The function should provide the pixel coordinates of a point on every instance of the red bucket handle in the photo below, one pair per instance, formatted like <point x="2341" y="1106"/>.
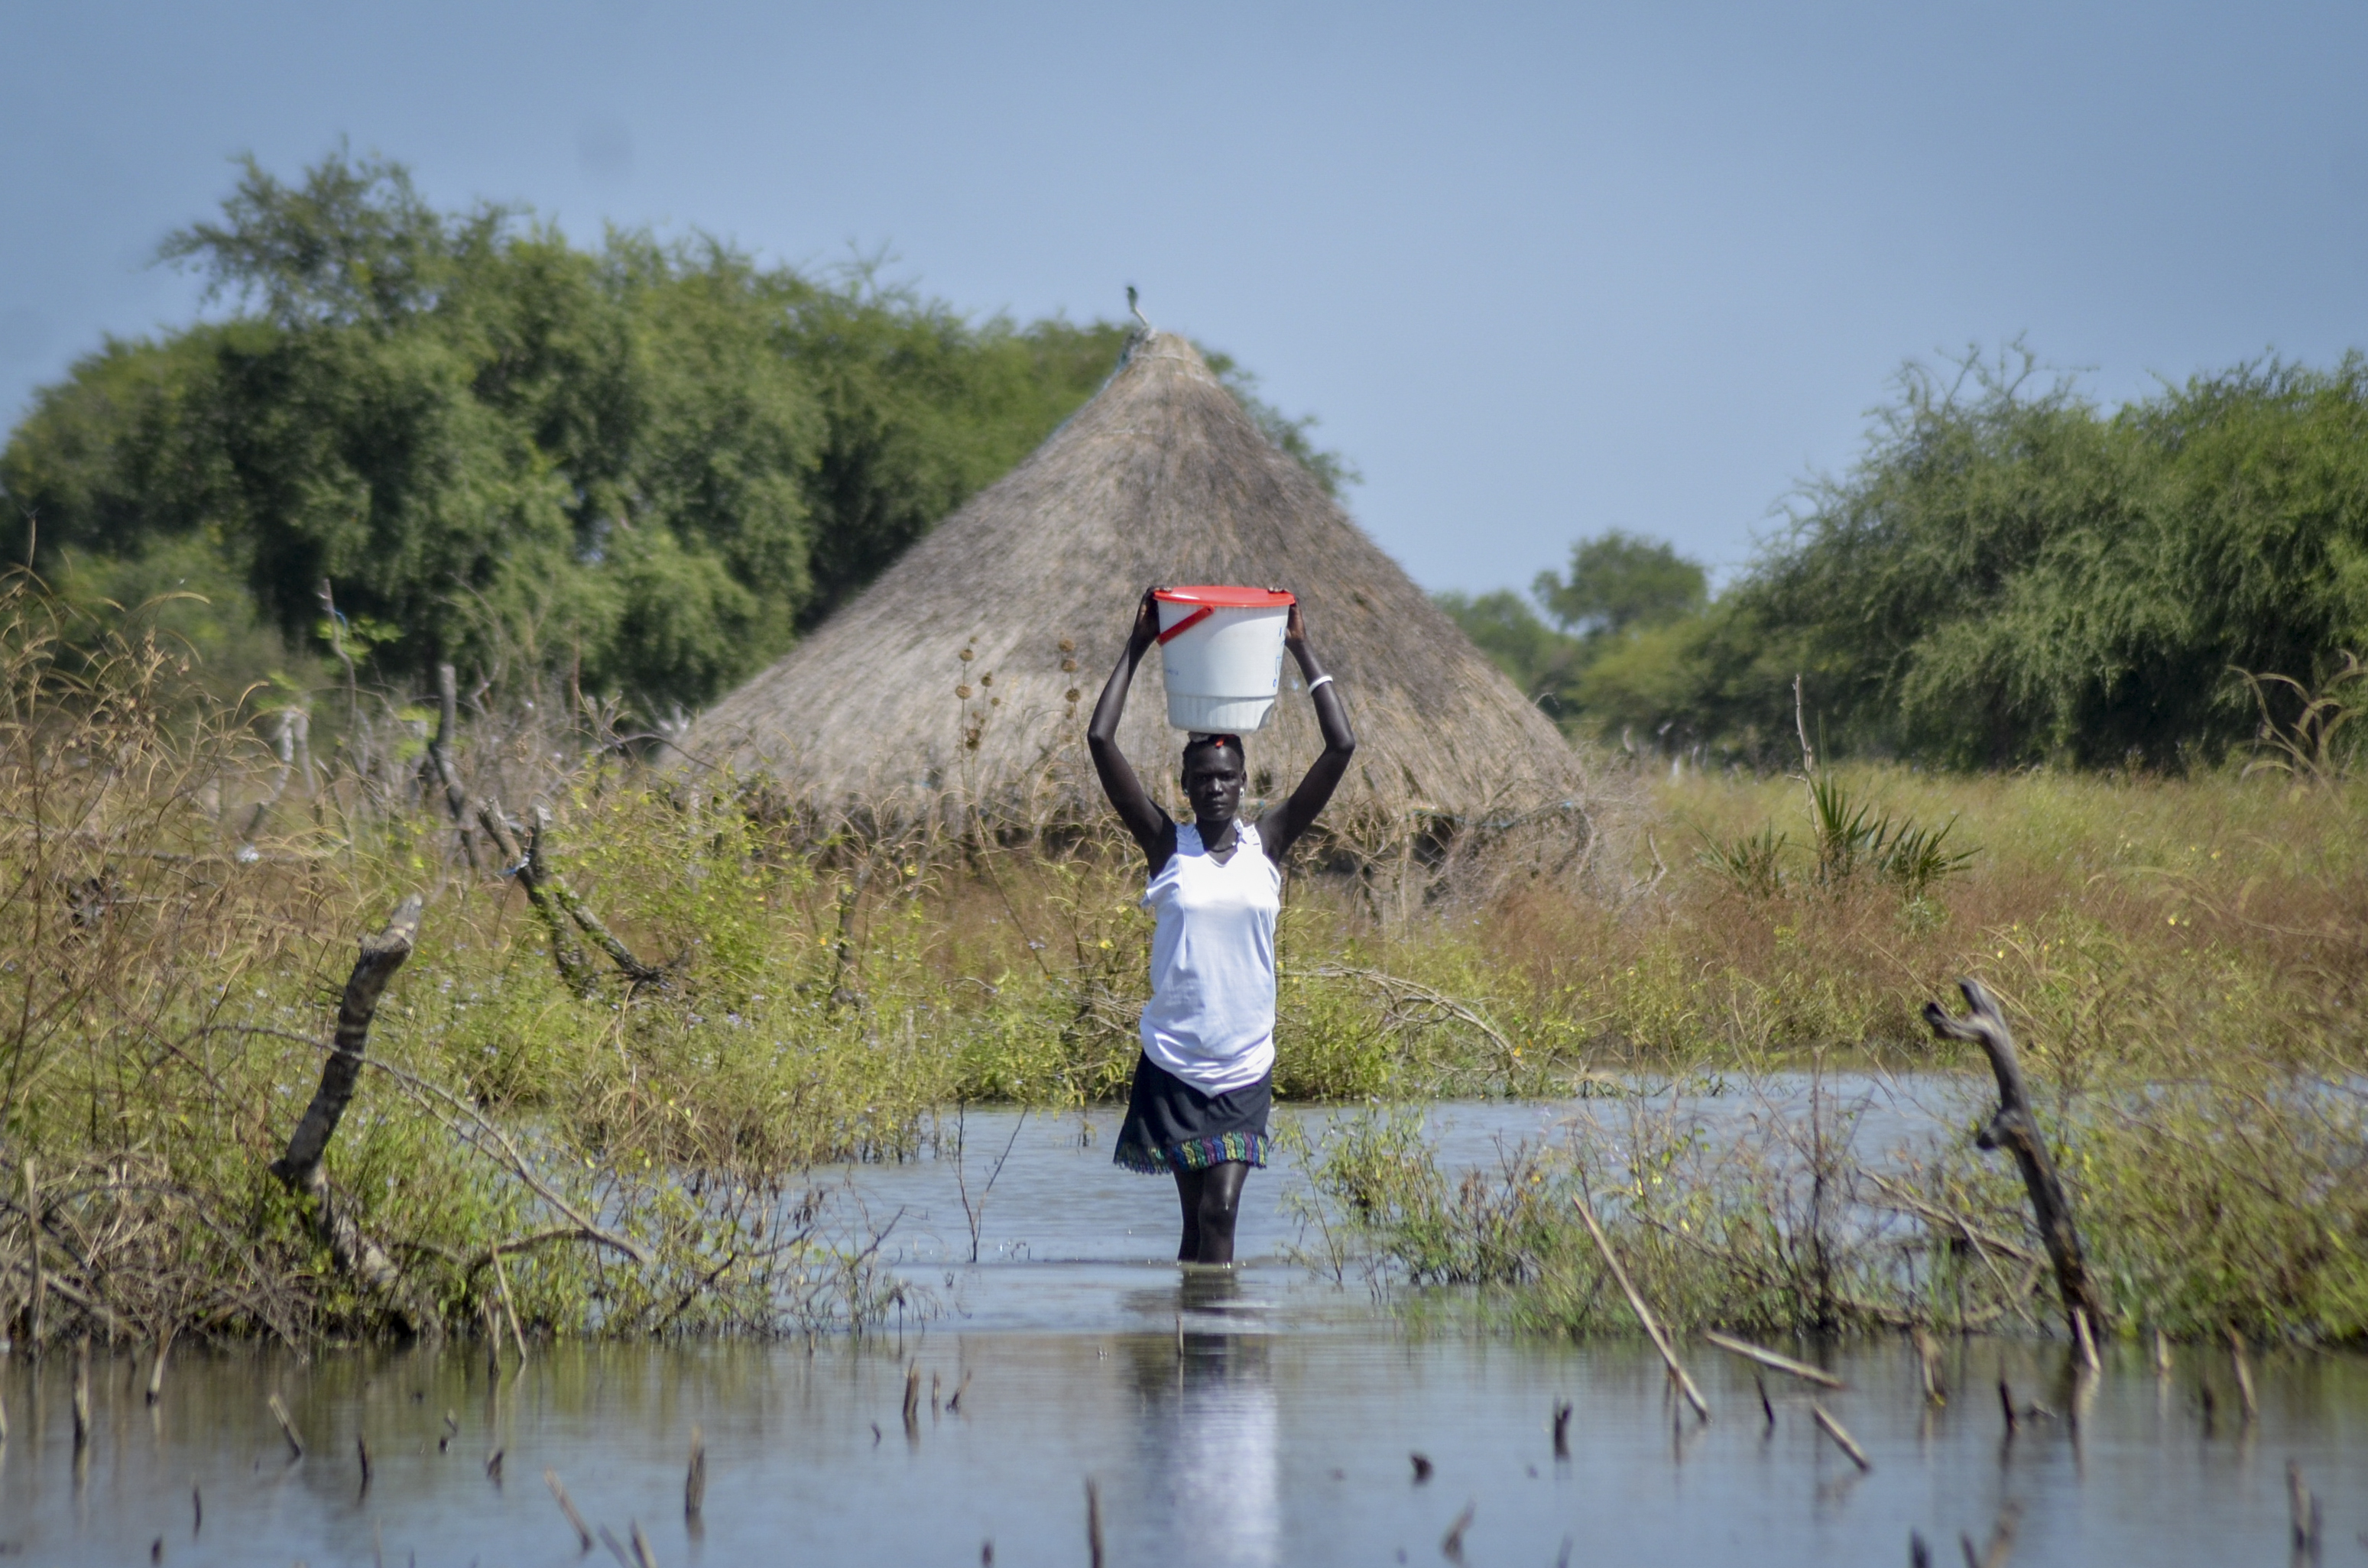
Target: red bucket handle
<point x="1189" y="621"/>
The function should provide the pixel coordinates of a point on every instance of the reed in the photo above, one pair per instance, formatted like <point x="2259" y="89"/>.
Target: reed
<point x="570" y="1115"/>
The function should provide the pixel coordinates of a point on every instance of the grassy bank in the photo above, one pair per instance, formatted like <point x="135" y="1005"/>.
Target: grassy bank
<point x="620" y="1148"/>
<point x="2183" y="960"/>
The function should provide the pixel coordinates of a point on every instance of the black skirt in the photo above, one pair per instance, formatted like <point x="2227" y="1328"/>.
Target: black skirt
<point x="1171" y="1126"/>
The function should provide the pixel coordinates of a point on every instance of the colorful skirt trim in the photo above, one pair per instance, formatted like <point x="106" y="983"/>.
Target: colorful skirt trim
<point x="1196" y="1153"/>
<point x="1171" y="1126"/>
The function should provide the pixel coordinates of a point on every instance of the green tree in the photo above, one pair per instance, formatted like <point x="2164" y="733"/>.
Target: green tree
<point x="1543" y="662"/>
<point x="1618" y="580"/>
<point x="649" y="465"/>
<point x="2009" y="574"/>
<point x="920" y="410"/>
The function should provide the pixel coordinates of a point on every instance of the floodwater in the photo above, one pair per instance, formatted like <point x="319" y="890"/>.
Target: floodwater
<point x="1264" y="1416"/>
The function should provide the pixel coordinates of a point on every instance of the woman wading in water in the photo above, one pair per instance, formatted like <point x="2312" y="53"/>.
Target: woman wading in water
<point x="1206" y="1076"/>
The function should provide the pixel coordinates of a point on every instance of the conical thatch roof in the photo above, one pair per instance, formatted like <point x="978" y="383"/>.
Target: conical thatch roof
<point x="1161" y="478"/>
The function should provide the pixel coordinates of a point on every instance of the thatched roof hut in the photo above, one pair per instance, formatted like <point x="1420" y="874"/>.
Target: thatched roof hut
<point x="1024" y="597"/>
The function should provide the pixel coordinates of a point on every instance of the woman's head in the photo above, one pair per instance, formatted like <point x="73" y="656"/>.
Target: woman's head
<point x="1215" y="769"/>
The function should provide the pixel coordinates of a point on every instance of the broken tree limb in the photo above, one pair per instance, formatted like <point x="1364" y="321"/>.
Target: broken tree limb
<point x="1770" y="1358"/>
<point x="2016" y="1130"/>
<point x="551" y="897"/>
<point x="575" y="971"/>
<point x="300" y="1167"/>
<point x="439" y="757"/>
<point x="1842" y="1439"/>
<point x="632" y="968"/>
<point x="1637" y="1303"/>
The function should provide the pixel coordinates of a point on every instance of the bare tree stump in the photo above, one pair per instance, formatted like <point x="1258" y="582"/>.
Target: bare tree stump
<point x="440" y="759"/>
<point x="299" y="1168"/>
<point x="2014" y="1129"/>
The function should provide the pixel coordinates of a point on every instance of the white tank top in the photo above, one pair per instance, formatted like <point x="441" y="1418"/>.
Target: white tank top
<point x="1210" y="1020"/>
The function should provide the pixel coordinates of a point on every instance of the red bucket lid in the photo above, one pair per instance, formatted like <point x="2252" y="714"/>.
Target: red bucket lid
<point x="1221" y="598"/>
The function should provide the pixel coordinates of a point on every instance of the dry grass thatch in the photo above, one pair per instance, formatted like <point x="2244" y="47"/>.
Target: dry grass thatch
<point x="965" y="675"/>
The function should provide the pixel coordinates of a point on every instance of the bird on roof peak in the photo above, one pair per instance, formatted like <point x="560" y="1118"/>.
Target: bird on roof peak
<point x="1136" y="308"/>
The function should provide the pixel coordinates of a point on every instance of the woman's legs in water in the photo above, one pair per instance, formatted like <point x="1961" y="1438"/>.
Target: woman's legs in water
<point x="1211" y="1201"/>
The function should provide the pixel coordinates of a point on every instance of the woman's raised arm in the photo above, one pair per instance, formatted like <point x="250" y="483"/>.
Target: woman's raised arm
<point x="1299" y="812"/>
<point x="1152" y="827"/>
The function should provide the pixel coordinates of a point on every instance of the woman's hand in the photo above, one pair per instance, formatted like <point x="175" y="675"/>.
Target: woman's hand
<point x="1151" y="827"/>
<point x="1298" y="812"/>
<point x="1146" y="622"/>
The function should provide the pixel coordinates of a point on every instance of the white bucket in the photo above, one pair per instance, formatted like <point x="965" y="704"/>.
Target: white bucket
<point x="1220" y="652"/>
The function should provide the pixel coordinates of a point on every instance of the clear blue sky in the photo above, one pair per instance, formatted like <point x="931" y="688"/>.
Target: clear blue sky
<point x="1542" y="270"/>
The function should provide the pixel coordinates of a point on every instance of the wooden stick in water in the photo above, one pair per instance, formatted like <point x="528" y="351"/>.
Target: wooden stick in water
<point x="642" y="1556"/>
<point x="1928" y="1359"/>
<point x="2087" y="1341"/>
<point x="156" y="1368"/>
<point x="567" y="1507"/>
<point x="2244" y="1373"/>
<point x="1767" y="1408"/>
<point x="82" y="1394"/>
<point x="1094" y="1523"/>
<point x="1842" y="1439"/>
<point x="1451" y="1545"/>
<point x="912" y="1397"/>
<point x="287" y="1428"/>
<point x="1770" y="1358"/>
<point x="2006" y="1403"/>
<point x="694" y="1481"/>
<point x="953" y="1405"/>
<point x="1637" y="1303"/>
<point x="2001" y="1546"/>
<point x="1562" y="1428"/>
<point x="501" y="1279"/>
<point x="2304" y="1510"/>
<point x="33" y="1256"/>
<point x="361" y="1452"/>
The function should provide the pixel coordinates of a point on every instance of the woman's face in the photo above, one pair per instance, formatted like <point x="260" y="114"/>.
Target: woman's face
<point x="1212" y="782"/>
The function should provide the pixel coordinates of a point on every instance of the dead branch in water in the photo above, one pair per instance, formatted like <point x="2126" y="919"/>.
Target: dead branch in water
<point x="1751" y="1352"/>
<point x="567" y="1507"/>
<point x="1643" y="1314"/>
<point x="1842" y="1439"/>
<point x="2015" y="1129"/>
<point x="300" y="1167"/>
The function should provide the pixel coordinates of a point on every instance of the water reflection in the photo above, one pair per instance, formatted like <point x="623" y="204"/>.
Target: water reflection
<point x="1205" y="1441"/>
<point x="1246" y="1417"/>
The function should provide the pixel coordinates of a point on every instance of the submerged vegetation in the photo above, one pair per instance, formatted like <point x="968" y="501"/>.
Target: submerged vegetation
<point x="2229" y="1199"/>
<point x="618" y="1143"/>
